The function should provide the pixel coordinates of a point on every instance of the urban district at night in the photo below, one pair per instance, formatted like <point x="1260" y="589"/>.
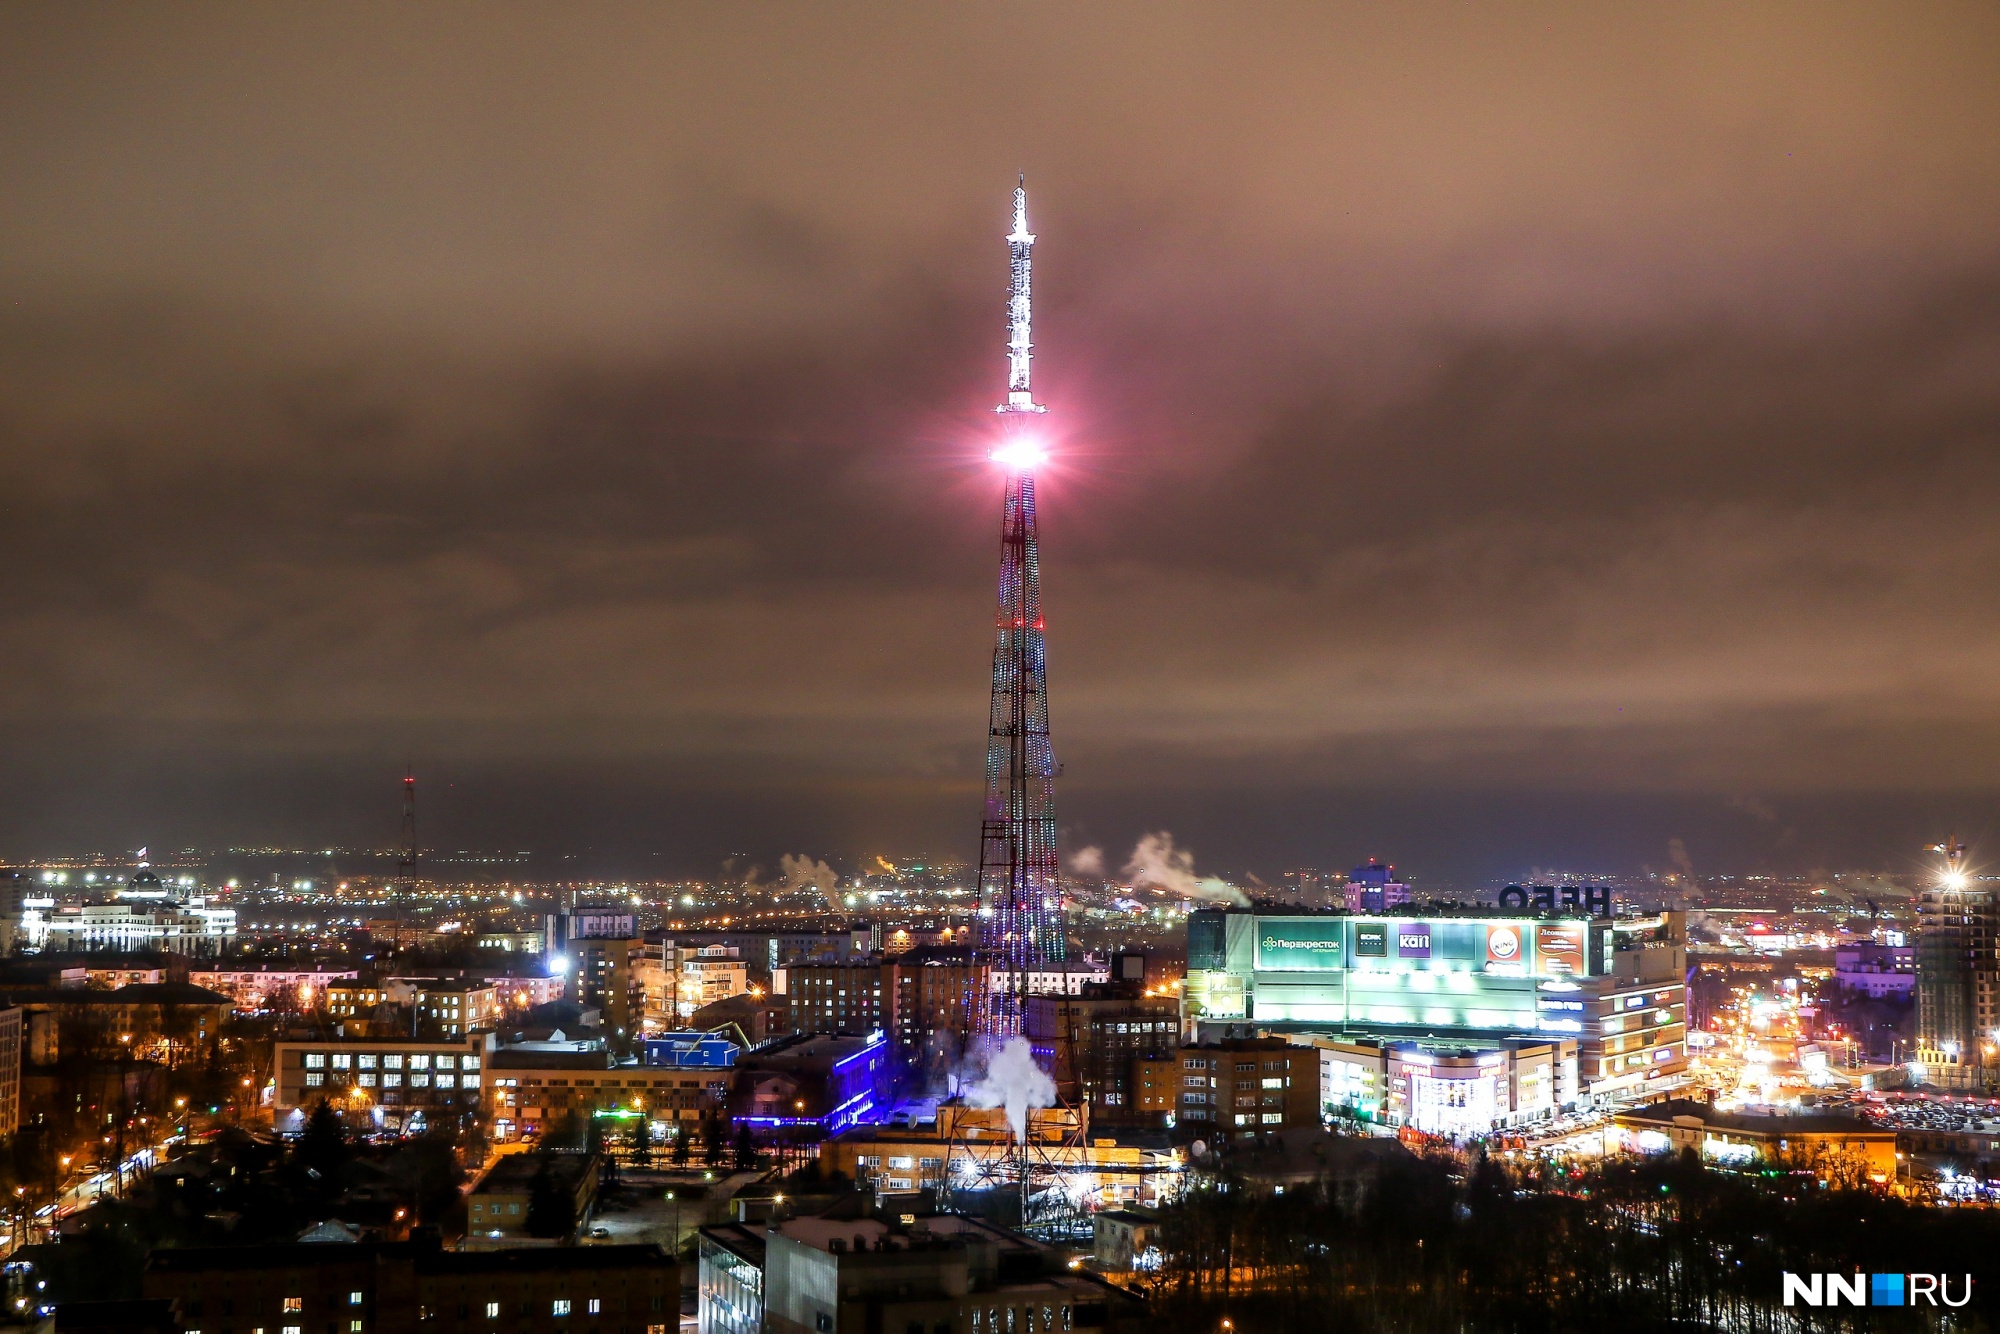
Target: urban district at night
<point x="1487" y="815"/>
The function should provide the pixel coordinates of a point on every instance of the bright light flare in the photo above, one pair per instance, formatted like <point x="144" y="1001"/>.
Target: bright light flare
<point x="1019" y="455"/>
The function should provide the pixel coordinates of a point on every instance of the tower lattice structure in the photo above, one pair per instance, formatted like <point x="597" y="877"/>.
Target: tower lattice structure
<point x="1020" y="892"/>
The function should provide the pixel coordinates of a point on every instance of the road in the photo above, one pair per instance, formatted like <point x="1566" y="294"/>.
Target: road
<point x="85" y="1192"/>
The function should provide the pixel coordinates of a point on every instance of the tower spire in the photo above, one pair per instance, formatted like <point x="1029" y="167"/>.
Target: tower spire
<point x="1020" y="892"/>
<point x="1020" y="342"/>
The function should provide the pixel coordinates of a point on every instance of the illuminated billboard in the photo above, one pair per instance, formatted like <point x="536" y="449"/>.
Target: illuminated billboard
<point x="1506" y="951"/>
<point x="1559" y="946"/>
<point x="1301" y="944"/>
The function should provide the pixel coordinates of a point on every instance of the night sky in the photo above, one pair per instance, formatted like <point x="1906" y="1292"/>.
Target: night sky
<point x="1487" y="437"/>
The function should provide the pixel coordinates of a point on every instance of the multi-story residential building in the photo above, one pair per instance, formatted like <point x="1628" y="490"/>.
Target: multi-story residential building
<point x="605" y="976"/>
<point x="1061" y="979"/>
<point x="355" y="999"/>
<point x="385" y="1082"/>
<point x="833" y="996"/>
<point x="416" y="1287"/>
<point x="166" y="1019"/>
<point x="457" y="1007"/>
<point x="1159" y="1085"/>
<point x="525" y="992"/>
<point x="658" y="969"/>
<point x="1095" y="1042"/>
<point x="513" y="942"/>
<point x="708" y="973"/>
<point x="251" y="989"/>
<point x="931" y="990"/>
<point x="10" y="1071"/>
<point x="1958" y="982"/>
<point x="1249" y="1086"/>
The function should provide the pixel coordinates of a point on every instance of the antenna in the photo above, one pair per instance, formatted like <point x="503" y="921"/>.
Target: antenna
<point x="406" y="859"/>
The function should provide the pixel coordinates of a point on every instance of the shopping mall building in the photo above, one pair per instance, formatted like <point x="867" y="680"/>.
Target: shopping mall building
<point x="1530" y="1011"/>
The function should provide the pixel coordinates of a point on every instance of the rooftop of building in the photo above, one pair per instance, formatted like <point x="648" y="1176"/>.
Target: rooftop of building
<point x="746" y="1243"/>
<point x="804" y="1049"/>
<point x="139" y="993"/>
<point x="1751" y="1123"/>
<point x="516" y="1058"/>
<point x="429" y="1258"/>
<point x="516" y="1172"/>
<point x="832" y="1234"/>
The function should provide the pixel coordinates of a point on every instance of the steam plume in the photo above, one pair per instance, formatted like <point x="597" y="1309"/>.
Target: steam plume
<point x="1087" y="861"/>
<point x="1013" y="1080"/>
<point x="1157" y="862"/>
<point x="802" y="872"/>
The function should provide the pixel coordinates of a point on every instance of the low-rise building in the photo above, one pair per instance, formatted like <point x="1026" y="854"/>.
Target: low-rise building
<point x="500" y="1207"/>
<point x="1831" y="1144"/>
<point x="530" y="1090"/>
<point x="1123" y="1240"/>
<point x="1880" y="972"/>
<point x="408" y="1287"/>
<point x="945" y="1274"/>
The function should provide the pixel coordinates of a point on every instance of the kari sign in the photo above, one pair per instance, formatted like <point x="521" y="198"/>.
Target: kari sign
<point x="1559" y="945"/>
<point x="1413" y="940"/>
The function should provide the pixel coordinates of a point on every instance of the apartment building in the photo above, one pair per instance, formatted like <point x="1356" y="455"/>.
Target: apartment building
<point x="1249" y="1086"/>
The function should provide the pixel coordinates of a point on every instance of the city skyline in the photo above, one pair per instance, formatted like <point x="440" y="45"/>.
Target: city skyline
<point x="1475" y="471"/>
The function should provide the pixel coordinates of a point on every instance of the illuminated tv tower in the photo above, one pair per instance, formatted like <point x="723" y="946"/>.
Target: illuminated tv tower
<point x="1020" y="894"/>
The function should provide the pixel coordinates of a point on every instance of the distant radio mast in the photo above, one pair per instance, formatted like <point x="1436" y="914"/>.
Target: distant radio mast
<point x="1020" y="892"/>
<point x="406" y="851"/>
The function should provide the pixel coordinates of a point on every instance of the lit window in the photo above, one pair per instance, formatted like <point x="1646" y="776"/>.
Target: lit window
<point x="354" y="1327"/>
<point x="595" y="1306"/>
<point x="493" y="1310"/>
<point x="447" y="1062"/>
<point x="365" y="1061"/>
<point x="560" y="1306"/>
<point x="315" y="1060"/>
<point x="294" y="1304"/>
<point x="354" y="1299"/>
<point x="342" y="1061"/>
<point x="314" y="1079"/>
<point x="420" y="1061"/>
<point x="393" y="1062"/>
